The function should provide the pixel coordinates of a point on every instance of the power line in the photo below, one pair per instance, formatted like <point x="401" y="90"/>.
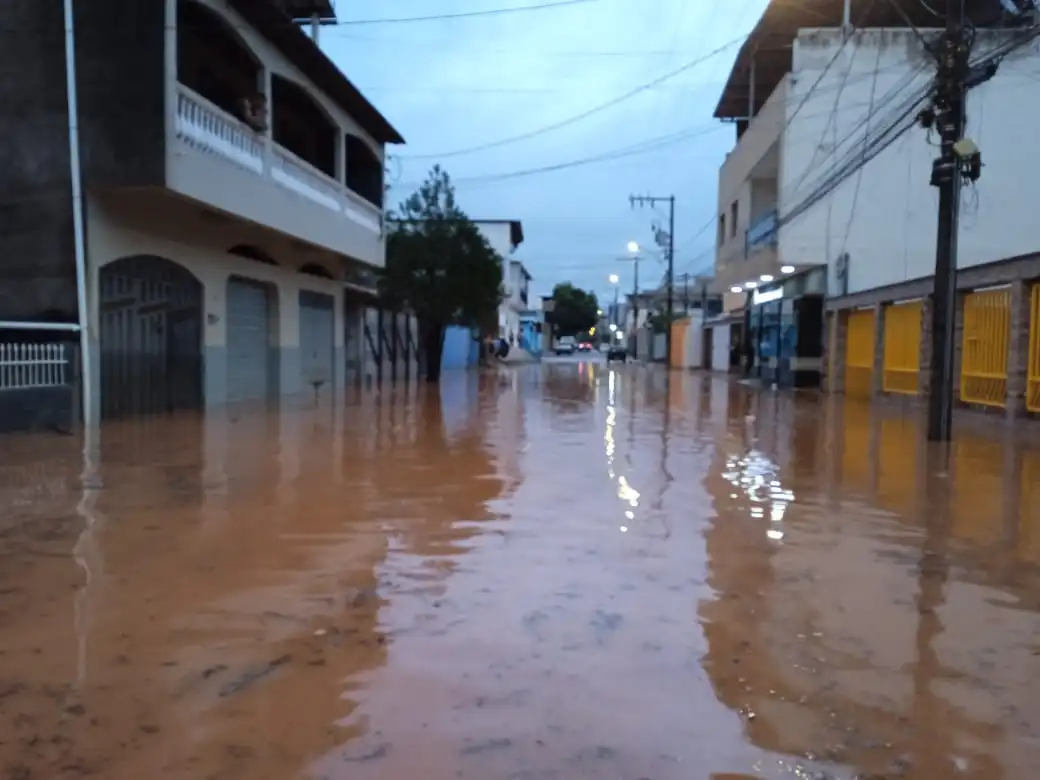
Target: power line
<point x="643" y="147"/>
<point x="424" y="43"/>
<point x="465" y="14"/>
<point x="587" y="113"/>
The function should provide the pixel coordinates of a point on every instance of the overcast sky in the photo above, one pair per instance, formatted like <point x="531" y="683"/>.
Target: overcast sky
<point x="449" y="85"/>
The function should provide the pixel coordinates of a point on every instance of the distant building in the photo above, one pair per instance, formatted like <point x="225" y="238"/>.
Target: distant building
<point x="505" y="235"/>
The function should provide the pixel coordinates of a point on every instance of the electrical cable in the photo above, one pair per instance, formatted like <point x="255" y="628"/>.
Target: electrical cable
<point x="859" y="173"/>
<point x="465" y="14"/>
<point x="830" y="121"/>
<point x="587" y="113"/>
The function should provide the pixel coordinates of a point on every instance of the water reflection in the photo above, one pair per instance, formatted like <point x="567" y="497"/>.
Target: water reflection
<point x="861" y="640"/>
<point x="562" y="571"/>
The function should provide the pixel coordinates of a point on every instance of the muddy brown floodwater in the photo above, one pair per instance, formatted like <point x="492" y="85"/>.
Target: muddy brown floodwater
<point x="563" y="572"/>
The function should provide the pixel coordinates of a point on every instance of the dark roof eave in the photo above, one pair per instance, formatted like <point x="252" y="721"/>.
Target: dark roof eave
<point x="779" y="24"/>
<point x="279" y="29"/>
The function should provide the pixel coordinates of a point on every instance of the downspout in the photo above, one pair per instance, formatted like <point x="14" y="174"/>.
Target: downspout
<point x="78" y="233"/>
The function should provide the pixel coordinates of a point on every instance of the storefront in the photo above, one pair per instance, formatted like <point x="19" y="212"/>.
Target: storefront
<point x="784" y="330"/>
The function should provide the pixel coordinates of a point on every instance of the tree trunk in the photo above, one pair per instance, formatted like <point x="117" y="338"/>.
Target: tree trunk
<point x="433" y="346"/>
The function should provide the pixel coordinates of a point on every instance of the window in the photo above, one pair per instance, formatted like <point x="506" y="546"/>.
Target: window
<point x="733" y="220"/>
<point x="722" y="229"/>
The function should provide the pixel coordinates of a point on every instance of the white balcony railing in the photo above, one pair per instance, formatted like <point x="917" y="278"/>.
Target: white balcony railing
<point x="203" y="126"/>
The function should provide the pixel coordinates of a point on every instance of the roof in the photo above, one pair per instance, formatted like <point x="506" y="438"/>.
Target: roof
<point x="769" y="45"/>
<point x="516" y="229"/>
<point x="275" y="25"/>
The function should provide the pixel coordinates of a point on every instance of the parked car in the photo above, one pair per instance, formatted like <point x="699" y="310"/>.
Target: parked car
<point x="584" y="347"/>
<point x="617" y="352"/>
<point x="565" y="346"/>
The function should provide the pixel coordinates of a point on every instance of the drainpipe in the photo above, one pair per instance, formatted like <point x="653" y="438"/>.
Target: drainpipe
<point x="75" y="176"/>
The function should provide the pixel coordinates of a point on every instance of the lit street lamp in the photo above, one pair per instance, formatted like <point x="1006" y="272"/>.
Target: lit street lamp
<point x="633" y="247"/>
<point x="614" y="279"/>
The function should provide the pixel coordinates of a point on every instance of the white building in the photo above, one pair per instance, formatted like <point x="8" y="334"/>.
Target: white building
<point x="505" y="236"/>
<point x="807" y="98"/>
<point x="232" y="188"/>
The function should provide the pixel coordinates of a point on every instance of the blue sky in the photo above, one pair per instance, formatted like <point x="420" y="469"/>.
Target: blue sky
<point x="453" y="84"/>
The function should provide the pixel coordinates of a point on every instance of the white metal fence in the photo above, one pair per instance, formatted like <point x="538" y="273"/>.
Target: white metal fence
<point x="31" y="366"/>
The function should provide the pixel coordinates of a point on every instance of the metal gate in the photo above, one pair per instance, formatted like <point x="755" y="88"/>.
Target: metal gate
<point x="859" y="353"/>
<point x="317" y="345"/>
<point x="902" y="356"/>
<point x="984" y="349"/>
<point x="150" y="337"/>
<point x="248" y="340"/>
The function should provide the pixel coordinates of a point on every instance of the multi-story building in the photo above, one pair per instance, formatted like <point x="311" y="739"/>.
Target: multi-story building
<point x="505" y="235"/>
<point x="228" y="186"/>
<point x="825" y="202"/>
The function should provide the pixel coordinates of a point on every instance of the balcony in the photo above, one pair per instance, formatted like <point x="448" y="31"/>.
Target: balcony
<point x="251" y="143"/>
<point x="762" y="233"/>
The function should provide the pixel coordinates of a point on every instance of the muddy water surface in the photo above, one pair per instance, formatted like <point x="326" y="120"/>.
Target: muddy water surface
<point x="563" y="572"/>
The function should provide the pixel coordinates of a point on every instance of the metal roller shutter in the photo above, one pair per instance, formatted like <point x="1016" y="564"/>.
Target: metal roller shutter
<point x="317" y="351"/>
<point x="248" y="326"/>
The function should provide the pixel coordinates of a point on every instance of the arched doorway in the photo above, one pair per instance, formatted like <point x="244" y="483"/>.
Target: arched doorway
<point x="150" y="337"/>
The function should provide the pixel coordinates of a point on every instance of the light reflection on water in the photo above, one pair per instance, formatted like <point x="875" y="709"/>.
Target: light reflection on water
<point x="422" y="584"/>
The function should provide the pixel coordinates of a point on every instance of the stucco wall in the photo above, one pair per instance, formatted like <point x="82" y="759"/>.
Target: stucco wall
<point x="890" y="232"/>
<point x="158" y="224"/>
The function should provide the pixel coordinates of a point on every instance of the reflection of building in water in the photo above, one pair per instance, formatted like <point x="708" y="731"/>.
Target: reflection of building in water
<point x="850" y="624"/>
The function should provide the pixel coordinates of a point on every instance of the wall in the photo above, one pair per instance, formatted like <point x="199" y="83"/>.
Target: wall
<point x="37" y="271"/>
<point x="885" y="216"/>
<point x="458" y="342"/>
<point x="121" y="225"/>
<point x="735" y="174"/>
<point x="499" y="235"/>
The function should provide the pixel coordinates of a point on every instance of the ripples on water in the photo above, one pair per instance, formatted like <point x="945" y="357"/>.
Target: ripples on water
<point x="569" y="571"/>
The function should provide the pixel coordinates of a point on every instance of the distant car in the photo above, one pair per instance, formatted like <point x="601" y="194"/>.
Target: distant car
<point x="565" y="346"/>
<point x="617" y="352"/>
<point x="584" y="347"/>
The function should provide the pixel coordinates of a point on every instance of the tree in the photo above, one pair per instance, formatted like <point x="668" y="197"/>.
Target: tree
<point x="439" y="266"/>
<point x="574" y="310"/>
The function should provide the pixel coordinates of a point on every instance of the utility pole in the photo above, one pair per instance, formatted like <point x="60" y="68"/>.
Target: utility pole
<point x="685" y="293"/>
<point x="957" y="156"/>
<point x="669" y="246"/>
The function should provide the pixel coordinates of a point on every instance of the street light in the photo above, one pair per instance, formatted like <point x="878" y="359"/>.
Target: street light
<point x="633" y="247"/>
<point x="614" y="279"/>
<point x="613" y="327"/>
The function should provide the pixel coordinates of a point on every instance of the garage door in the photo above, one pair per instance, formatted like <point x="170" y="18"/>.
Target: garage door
<point x="317" y="355"/>
<point x="248" y="326"/>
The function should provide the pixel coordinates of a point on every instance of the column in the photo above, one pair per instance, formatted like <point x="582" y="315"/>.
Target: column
<point x="1018" y="350"/>
<point x="925" y="350"/>
<point x="877" y="377"/>
<point x="840" y="323"/>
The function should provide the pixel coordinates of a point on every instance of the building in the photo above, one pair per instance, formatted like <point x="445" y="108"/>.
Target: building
<point x="806" y="227"/>
<point x="231" y="191"/>
<point x="505" y="236"/>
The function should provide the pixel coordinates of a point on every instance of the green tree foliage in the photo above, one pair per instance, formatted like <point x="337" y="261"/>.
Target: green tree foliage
<point x="439" y="266"/>
<point x="574" y="310"/>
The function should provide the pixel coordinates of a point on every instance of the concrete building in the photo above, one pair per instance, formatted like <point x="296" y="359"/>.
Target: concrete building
<point x="797" y="237"/>
<point x="505" y="236"/>
<point x="231" y="186"/>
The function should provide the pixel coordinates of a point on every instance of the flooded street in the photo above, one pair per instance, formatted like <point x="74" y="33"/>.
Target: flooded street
<point x="565" y="571"/>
